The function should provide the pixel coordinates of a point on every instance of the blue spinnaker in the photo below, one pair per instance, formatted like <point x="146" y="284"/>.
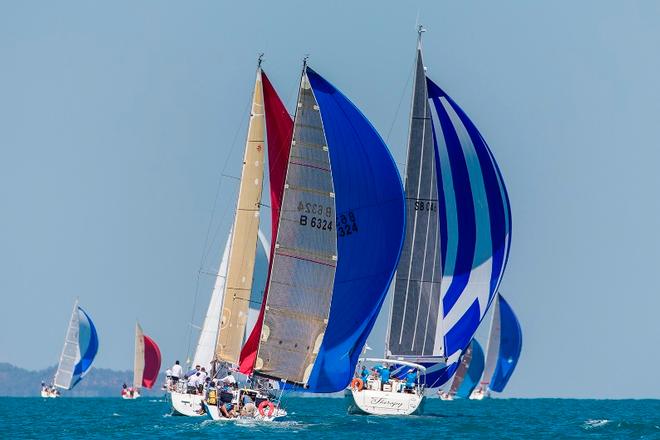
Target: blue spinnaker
<point x="370" y="226"/>
<point x="88" y="344"/>
<point x="475" y="221"/>
<point x="510" y="347"/>
<point x="475" y="369"/>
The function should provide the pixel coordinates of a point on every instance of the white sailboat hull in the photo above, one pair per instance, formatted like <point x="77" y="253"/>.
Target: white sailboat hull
<point x="384" y="403"/>
<point x="49" y="394"/>
<point x="478" y="395"/>
<point x="186" y="404"/>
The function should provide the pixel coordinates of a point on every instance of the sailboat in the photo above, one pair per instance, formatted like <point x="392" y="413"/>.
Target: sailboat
<point x="186" y="404"/>
<point x="81" y="344"/>
<point x="467" y="374"/>
<point x="458" y="231"/>
<point x="339" y="180"/>
<point x="503" y="351"/>
<point x="146" y="365"/>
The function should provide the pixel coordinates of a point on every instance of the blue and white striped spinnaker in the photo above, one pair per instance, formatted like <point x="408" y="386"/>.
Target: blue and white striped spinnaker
<point x="80" y="347"/>
<point x="458" y="234"/>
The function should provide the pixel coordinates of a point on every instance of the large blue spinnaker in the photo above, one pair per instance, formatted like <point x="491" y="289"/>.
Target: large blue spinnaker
<point x="475" y="220"/>
<point x="370" y="225"/>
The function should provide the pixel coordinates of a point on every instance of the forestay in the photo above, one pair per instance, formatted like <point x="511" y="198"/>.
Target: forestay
<point x="305" y="255"/>
<point x="244" y="239"/>
<point x="80" y="347"/>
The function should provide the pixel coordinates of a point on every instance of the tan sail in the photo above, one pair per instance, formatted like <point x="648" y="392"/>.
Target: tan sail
<point x="244" y="240"/>
<point x="138" y="366"/>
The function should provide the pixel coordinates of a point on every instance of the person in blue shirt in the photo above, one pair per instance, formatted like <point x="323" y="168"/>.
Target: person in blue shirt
<point x="411" y="379"/>
<point x="384" y="374"/>
<point x="364" y="375"/>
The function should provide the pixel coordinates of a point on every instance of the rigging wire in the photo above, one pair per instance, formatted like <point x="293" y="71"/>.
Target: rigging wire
<point x="398" y="107"/>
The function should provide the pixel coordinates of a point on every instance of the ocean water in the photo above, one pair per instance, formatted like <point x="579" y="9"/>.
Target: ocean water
<point x="326" y="418"/>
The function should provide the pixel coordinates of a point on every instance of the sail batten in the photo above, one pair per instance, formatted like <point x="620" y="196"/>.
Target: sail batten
<point x="242" y="251"/>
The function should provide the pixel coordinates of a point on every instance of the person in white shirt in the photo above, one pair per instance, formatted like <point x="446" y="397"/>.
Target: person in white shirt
<point x="203" y="375"/>
<point x="193" y="383"/>
<point x="177" y="372"/>
<point x="228" y="379"/>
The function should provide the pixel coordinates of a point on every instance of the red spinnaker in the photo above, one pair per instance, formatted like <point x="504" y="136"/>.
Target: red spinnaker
<point x="279" y="129"/>
<point x="151" y="362"/>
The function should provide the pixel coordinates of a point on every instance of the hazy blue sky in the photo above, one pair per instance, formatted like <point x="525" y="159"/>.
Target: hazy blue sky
<point x="117" y="119"/>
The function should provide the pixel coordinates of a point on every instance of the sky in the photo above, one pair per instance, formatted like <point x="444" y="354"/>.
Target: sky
<point x="119" y="119"/>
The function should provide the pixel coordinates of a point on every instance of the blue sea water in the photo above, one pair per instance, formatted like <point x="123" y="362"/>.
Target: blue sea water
<point x="326" y="418"/>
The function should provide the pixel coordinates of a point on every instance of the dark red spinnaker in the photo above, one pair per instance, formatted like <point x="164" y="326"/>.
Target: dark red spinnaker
<point x="279" y="129"/>
<point x="151" y="362"/>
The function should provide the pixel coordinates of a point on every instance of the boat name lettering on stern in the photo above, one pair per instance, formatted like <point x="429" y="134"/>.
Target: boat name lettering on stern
<point x="386" y="402"/>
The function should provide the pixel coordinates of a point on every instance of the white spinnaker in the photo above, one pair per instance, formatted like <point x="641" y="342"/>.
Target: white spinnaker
<point x="493" y="349"/>
<point x="205" y="351"/>
<point x="138" y="364"/>
<point x="70" y="352"/>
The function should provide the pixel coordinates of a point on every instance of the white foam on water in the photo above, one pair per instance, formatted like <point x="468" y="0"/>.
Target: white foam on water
<point x="595" y="423"/>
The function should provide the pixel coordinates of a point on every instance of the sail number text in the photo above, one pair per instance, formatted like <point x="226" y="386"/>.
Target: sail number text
<point x="421" y="205"/>
<point x="315" y="220"/>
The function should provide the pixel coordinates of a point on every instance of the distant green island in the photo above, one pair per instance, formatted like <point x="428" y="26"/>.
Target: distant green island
<point x="98" y="382"/>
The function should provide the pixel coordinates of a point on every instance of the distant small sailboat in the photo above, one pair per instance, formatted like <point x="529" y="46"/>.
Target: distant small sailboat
<point x="458" y="230"/>
<point x="146" y="365"/>
<point x="467" y="375"/>
<point x="503" y="351"/>
<point x="80" y="347"/>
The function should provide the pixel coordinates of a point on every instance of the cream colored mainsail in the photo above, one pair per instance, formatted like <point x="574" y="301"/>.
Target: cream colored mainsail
<point x="242" y="252"/>
<point x="138" y="366"/>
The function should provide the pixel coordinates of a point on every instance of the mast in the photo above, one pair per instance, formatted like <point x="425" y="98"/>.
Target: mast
<point x="242" y="251"/>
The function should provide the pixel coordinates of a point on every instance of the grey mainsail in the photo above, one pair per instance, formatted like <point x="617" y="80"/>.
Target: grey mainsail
<point x="413" y="332"/>
<point x="305" y="256"/>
